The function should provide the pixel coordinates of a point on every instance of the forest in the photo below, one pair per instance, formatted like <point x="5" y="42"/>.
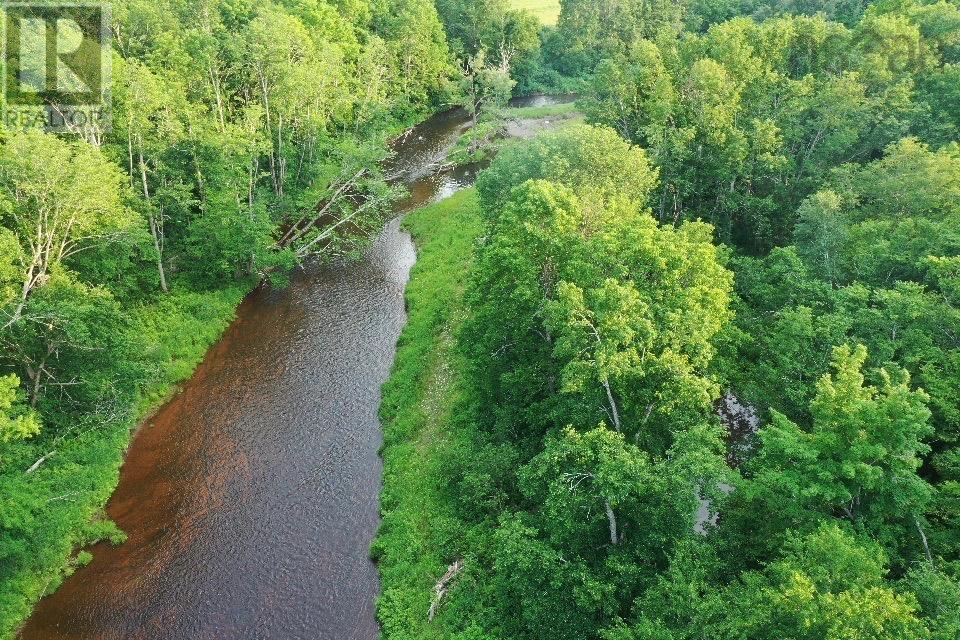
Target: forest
<point x="760" y="202"/>
<point x="762" y="205"/>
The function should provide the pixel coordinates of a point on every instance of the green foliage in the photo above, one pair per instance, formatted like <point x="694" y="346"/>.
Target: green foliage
<point x="560" y="110"/>
<point x="83" y="559"/>
<point x="873" y="264"/>
<point x="859" y="460"/>
<point x="581" y="310"/>
<point x="487" y="138"/>
<point x="57" y="199"/>
<point x="485" y="88"/>
<point x="58" y="505"/>
<point x="884" y="219"/>
<point x="17" y="422"/>
<point x="938" y="597"/>
<point x="818" y="140"/>
<point x="477" y="143"/>
<point x="603" y="520"/>
<point x="589" y="31"/>
<point x="246" y="138"/>
<point x="590" y="310"/>
<point x="825" y="586"/>
<point x="420" y="535"/>
<point x="549" y="421"/>
<point x="747" y="119"/>
<point x="491" y="31"/>
<point x="592" y="161"/>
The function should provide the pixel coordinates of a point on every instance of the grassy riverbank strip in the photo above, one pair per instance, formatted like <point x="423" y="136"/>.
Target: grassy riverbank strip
<point x="419" y="532"/>
<point x="79" y="470"/>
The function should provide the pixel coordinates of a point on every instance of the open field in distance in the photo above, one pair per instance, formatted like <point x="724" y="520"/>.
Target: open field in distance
<point x="547" y="10"/>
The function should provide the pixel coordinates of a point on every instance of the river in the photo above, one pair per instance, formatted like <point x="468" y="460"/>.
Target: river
<point x="251" y="498"/>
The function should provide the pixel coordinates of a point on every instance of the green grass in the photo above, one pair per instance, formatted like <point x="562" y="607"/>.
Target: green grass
<point x="419" y="533"/>
<point x="566" y="109"/>
<point x="483" y="141"/>
<point x="547" y="10"/>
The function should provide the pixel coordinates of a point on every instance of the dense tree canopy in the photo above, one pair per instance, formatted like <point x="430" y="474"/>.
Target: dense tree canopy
<point x="762" y="206"/>
<point x="621" y="312"/>
<point x="749" y="118"/>
<point x="810" y="149"/>
<point x="585" y="311"/>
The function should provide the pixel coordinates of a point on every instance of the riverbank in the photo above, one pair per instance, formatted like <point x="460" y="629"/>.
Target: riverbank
<point x="481" y="143"/>
<point x="174" y="482"/>
<point x="419" y="534"/>
<point x="277" y="426"/>
<point x="178" y="329"/>
<point x="182" y="326"/>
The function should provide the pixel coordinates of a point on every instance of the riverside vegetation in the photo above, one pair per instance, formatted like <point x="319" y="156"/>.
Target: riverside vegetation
<point x="246" y="139"/>
<point x="765" y="198"/>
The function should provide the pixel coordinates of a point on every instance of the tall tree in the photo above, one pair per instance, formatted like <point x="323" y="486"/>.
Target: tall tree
<point x="858" y="461"/>
<point x="58" y="199"/>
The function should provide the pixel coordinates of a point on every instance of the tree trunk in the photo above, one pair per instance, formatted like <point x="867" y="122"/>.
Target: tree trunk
<point x="36" y="465"/>
<point x="34" y="376"/>
<point x="155" y="228"/>
<point x="198" y="170"/>
<point x="613" y="405"/>
<point x="251" y="178"/>
<point x="156" y="245"/>
<point x="612" y="519"/>
<point x="268" y="121"/>
<point x="215" y="81"/>
<point x="130" y="150"/>
<point x="24" y="293"/>
<point x="281" y="162"/>
<point x="923" y="538"/>
<point x="440" y="589"/>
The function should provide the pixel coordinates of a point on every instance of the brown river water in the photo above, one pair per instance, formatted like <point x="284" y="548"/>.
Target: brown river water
<point x="251" y="498"/>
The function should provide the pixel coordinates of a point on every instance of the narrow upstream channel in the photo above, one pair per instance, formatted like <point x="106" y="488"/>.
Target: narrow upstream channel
<point x="251" y="498"/>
